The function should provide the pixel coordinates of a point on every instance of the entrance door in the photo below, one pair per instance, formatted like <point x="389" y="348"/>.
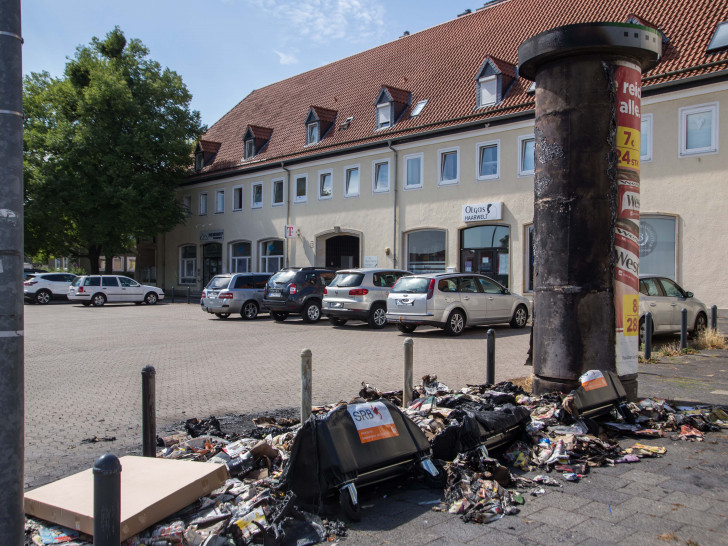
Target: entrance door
<point x="211" y="261"/>
<point x="484" y="250"/>
<point x="342" y="252"/>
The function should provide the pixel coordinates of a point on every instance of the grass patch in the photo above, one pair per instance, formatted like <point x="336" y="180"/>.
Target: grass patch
<point x="668" y="537"/>
<point x="710" y="339"/>
<point x="673" y="349"/>
<point x="526" y="383"/>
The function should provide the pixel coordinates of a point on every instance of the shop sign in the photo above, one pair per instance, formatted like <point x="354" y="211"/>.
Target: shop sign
<point x="217" y="235"/>
<point x="371" y="261"/>
<point x="290" y="231"/>
<point x="483" y="211"/>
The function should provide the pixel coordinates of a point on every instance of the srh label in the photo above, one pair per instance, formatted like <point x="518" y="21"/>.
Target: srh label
<point x="373" y="421"/>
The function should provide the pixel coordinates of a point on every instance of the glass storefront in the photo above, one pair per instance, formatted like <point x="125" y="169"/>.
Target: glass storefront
<point x="240" y="257"/>
<point x="426" y="251"/>
<point x="484" y="250"/>
<point x="657" y="245"/>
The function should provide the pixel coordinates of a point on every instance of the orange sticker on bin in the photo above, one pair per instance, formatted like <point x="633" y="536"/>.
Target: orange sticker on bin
<point x="372" y="421"/>
<point x="593" y="379"/>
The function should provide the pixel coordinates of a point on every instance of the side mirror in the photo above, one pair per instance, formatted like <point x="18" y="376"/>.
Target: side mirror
<point x="505" y="291"/>
<point x="688" y="294"/>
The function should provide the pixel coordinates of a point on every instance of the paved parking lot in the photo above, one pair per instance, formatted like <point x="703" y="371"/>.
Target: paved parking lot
<point x="83" y="371"/>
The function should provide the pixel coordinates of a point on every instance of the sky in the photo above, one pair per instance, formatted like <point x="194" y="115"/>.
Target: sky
<point x="224" y="49"/>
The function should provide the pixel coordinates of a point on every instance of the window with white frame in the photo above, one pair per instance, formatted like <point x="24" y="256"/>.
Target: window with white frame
<point x="249" y="148"/>
<point x="301" y="189"/>
<point x="526" y="155"/>
<point x="488" y="90"/>
<point x="488" y="160"/>
<point x="351" y="182"/>
<point x="238" y="198"/>
<point x="256" y="195"/>
<point x="326" y="184"/>
<point x="413" y="175"/>
<point x="277" y="193"/>
<point x="203" y="204"/>
<point x="699" y="129"/>
<point x="271" y="255"/>
<point x="188" y="264"/>
<point x="312" y="133"/>
<point x="380" y="176"/>
<point x="426" y="251"/>
<point x="448" y="166"/>
<point x="646" y="138"/>
<point x="384" y="115"/>
<point x="658" y="245"/>
<point x="187" y="205"/>
<point x="240" y="257"/>
<point x="219" y="201"/>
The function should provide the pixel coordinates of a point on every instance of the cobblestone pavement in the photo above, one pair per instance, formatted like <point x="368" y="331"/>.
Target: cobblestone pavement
<point x="83" y="371"/>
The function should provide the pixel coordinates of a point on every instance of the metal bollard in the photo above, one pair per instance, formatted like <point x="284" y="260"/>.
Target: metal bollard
<point x="408" y="372"/>
<point x="714" y="318"/>
<point x="490" y="358"/>
<point x="172" y="294"/>
<point x="648" y="335"/>
<point x="306" y="387"/>
<point x="107" y="500"/>
<point x="149" y="412"/>
<point x="188" y="294"/>
<point x="683" y="328"/>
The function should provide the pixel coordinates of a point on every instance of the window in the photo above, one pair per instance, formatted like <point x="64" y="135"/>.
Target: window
<point x="203" y="204"/>
<point x="220" y="201"/>
<point x="658" y="243"/>
<point x="277" y="193"/>
<point x="271" y="256"/>
<point x="417" y="110"/>
<point x="526" y="155"/>
<point x="240" y="257"/>
<point x="351" y="184"/>
<point x="312" y="133"/>
<point x="326" y="184"/>
<point x="384" y="115"/>
<point x="238" y="198"/>
<point x="646" y="138"/>
<point x="699" y="129"/>
<point x="449" y="166"/>
<point x="413" y="174"/>
<point x="426" y="251"/>
<point x="249" y="148"/>
<point x="199" y="161"/>
<point x="257" y="195"/>
<point x="188" y="264"/>
<point x="187" y="205"/>
<point x="719" y="39"/>
<point x="488" y="91"/>
<point x="485" y="250"/>
<point x="301" y="189"/>
<point x="380" y="176"/>
<point x="109" y="281"/>
<point x="488" y="158"/>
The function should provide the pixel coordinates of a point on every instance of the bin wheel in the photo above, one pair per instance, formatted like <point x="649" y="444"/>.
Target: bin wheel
<point x="351" y="510"/>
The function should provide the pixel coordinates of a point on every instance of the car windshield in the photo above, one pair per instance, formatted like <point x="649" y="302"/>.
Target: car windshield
<point x="411" y="285"/>
<point x="282" y="277"/>
<point x="347" y="279"/>
<point x="218" y="283"/>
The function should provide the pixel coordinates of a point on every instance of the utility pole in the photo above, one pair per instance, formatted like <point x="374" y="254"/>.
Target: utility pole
<point x="12" y="527"/>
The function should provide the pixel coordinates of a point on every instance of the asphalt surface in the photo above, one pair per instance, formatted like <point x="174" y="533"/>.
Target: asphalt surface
<point x="83" y="381"/>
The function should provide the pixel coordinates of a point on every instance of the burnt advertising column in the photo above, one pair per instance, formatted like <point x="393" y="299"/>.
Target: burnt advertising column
<point x="586" y="198"/>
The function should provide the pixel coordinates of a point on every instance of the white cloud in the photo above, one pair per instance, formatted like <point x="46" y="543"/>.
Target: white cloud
<point x="285" y="58"/>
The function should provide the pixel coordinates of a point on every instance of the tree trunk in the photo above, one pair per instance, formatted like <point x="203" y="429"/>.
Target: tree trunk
<point x="109" y="265"/>
<point x="94" y="253"/>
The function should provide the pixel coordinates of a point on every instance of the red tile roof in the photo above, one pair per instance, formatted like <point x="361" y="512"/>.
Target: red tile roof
<point x="324" y="114"/>
<point x="209" y="147"/>
<point x="440" y="64"/>
<point x="259" y="133"/>
<point x="398" y="95"/>
<point x="504" y="67"/>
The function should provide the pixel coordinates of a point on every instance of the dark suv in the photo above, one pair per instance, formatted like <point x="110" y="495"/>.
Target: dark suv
<point x="297" y="290"/>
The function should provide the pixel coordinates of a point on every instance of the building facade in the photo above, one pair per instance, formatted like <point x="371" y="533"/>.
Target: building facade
<point x="420" y="154"/>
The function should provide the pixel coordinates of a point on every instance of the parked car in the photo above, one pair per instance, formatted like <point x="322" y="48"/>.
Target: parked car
<point x="453" y="301"/>
<point x="665" y="299"/>
<point x="360" y="294"/>
<point x="96" y="290"/>
<point x="30" y="271"/>
<point x="43" y="287"/>
<point x="235" y="293"/>
<point x="297" y="290"/>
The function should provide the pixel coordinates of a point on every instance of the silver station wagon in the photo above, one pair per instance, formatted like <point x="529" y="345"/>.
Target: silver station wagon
<point x="360" y="294"/>
<point x="233" y="293"/>
<point x="453" y="301"/>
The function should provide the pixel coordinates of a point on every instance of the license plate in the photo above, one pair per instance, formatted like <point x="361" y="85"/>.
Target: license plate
<point x="403" y="302"/>
<point x="336" y="305"/>
<point x="275" y="293"/>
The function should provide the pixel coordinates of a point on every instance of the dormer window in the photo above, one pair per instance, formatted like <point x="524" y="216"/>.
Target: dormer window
<point x="256" y="138"/>
<point x="494" y="78"/>
<point x="199" y="161"/>
<point x="390" y="105"/>
<point x="384" y="115"/>
<point x="205" y="153"/>
<point x="318" y="122"/>
<point x="249" y="148"/>
<point x="312" y="133"/>
<point x="488" y="90"/>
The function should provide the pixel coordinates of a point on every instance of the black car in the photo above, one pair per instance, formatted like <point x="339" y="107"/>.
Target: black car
<point x="297" y="290"/>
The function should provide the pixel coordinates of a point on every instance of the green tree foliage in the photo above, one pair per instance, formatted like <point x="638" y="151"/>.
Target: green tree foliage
<point x="105" y="147"/>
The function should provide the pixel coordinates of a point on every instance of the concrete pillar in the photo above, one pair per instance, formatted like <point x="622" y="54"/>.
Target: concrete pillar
<point x="586" y="198"/>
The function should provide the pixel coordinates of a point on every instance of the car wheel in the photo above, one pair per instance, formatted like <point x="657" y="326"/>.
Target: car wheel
<point x="406" y="328"/>
<point x="377" y="316"/>
<point x="151" y="298"/>
<point x="250" y="310"/>
<point x="520" y="317"/>
<point x="701" y="323"/>
<point x="337" y="321"/>
<point x="42" y="297"/>
<point x="279" y="316"/>
<point x="311" y="312"/>
<point x="98" y="300"/>
<point x="222" y="316"/>
<point x="455" y="323"/>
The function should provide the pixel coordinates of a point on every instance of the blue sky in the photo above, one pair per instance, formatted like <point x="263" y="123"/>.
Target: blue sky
<point x="224" y="49"/>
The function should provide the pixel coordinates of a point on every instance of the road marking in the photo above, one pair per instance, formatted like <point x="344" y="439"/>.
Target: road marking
<point x="12" y="333"/>
<point x="725" y="393"/>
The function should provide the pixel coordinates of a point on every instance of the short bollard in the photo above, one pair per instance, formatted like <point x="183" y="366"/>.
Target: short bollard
<point x="490" y="359"/>
<point x="149" y="412"/>
<point x="306" y="398"/>
<point x="714" y="318"/>
<point x="172" y="295"/>
<point x="107" y="500"/>
<point x="683" y="328"/>
<point x="648" y="335"/>
<point x="189" y="293"/>
<point x="408" y="372"/>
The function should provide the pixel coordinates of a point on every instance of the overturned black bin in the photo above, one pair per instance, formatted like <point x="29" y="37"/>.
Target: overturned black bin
<point x="600" y="393"/>
<point x="355" y="445"/>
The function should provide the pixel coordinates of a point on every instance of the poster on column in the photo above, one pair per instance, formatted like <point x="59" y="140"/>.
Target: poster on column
<point x="628" y="80"/>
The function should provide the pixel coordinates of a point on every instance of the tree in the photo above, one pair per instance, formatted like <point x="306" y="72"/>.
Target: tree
<point x="105" y="146"/>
